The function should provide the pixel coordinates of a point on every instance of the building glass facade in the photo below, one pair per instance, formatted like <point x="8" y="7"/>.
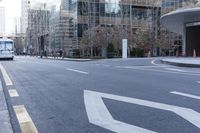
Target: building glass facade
<point x="69" y="20"/>
<point x="130" y="14"/>
<point x="60" y="31"/>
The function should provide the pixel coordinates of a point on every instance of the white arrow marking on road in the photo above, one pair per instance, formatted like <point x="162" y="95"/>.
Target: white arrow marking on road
<point x="99" y="115"/>
<point x="186" y="95"/>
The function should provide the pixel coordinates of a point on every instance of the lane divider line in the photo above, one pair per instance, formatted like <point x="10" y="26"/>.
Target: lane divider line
<point x="78" y="71"/>
<point x="174" y="69"/>
<point x="25" y="121"/>
<point x="13" y="93"/>
<point x="186" y="95"/>
<point x="5" y="75"/>
<point x="198" y="82"/>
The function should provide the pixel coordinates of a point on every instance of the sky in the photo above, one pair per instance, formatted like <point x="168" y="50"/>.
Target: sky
<point x="12" y="9"/>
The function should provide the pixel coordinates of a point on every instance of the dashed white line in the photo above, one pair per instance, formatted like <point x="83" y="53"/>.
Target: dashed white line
<point x="25" y="121"/>
<point x="78" y="71"/>
<point x="186" y="95"/>
<point x="13" y="93"/>
<point x="5" y="76"/>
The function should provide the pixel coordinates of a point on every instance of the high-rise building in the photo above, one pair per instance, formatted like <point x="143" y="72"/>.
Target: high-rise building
<point x="60" y="31"/>
<point x="2" y="21"/>
<point x="65" y="4"/>
<point x="38" y="28"/>
<point x="25" y="6"/>
<point x="17" y="25"/>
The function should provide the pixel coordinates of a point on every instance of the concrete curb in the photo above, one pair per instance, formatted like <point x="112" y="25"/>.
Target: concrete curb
<point x="12" y="118"/>
<point x="68" y="59"/>
<point x="180" y="64"/>
<point x="62" y="59"/>
<point x="5" y="120"/>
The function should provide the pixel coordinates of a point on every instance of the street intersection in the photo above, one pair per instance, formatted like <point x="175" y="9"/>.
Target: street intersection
<point x="102" y="96"/>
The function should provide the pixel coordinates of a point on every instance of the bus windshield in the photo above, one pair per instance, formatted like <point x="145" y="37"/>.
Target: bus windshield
<point x="6" y="46"/>
<point x="9" y="46"/>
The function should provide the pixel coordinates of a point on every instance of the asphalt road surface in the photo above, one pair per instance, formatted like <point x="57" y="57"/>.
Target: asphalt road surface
<point x="104" y="96"/>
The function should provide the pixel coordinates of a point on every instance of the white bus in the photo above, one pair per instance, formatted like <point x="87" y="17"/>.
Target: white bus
<point x="6" y="48"/>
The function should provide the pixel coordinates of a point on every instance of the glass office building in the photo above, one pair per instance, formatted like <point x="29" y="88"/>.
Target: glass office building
<point x="48" y="26"/>
<point x="70" y="19"/>
<point x="171" y="5"/>
<point x="130" y="14"/>
<point x="60" y="26"/>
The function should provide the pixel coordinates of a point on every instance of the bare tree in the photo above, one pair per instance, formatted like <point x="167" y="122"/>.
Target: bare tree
<point x="96" y="37"/>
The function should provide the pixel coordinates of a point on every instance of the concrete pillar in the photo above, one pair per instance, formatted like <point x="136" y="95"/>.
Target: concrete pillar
<point x="124" y="48"/>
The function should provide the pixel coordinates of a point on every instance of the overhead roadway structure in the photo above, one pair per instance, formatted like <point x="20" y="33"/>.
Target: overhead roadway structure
<point x="185" y="22"/>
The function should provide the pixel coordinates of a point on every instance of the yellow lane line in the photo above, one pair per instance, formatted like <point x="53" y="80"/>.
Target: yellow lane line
<point x="25" y="121"/>
<point x="13" y="93"/>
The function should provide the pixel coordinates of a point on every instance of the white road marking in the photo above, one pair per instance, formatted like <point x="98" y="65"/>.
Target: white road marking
<point x="74" y="70"/>
<point x="186" y="95"/>
<point x="153" y="62"/>
<point x="177" y="70"/>
<point x="13" y="93"/>
<point x="25" y="121"/>
<point x="5" y="76"/>
<point x="99" y="115"/>
<point x="163" y="71"/>
<point x="198" y="82"/>
<point x="139" y="67"/>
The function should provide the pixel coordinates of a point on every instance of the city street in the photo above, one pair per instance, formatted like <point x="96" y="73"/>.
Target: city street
<point x="138" y="95"/>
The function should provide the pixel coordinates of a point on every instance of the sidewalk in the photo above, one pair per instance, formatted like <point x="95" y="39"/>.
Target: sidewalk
<point x="5" y="124"/>
<point x="183" y="62"/>
<point x="57" y="58"/>
<point x="68" y="59"/>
